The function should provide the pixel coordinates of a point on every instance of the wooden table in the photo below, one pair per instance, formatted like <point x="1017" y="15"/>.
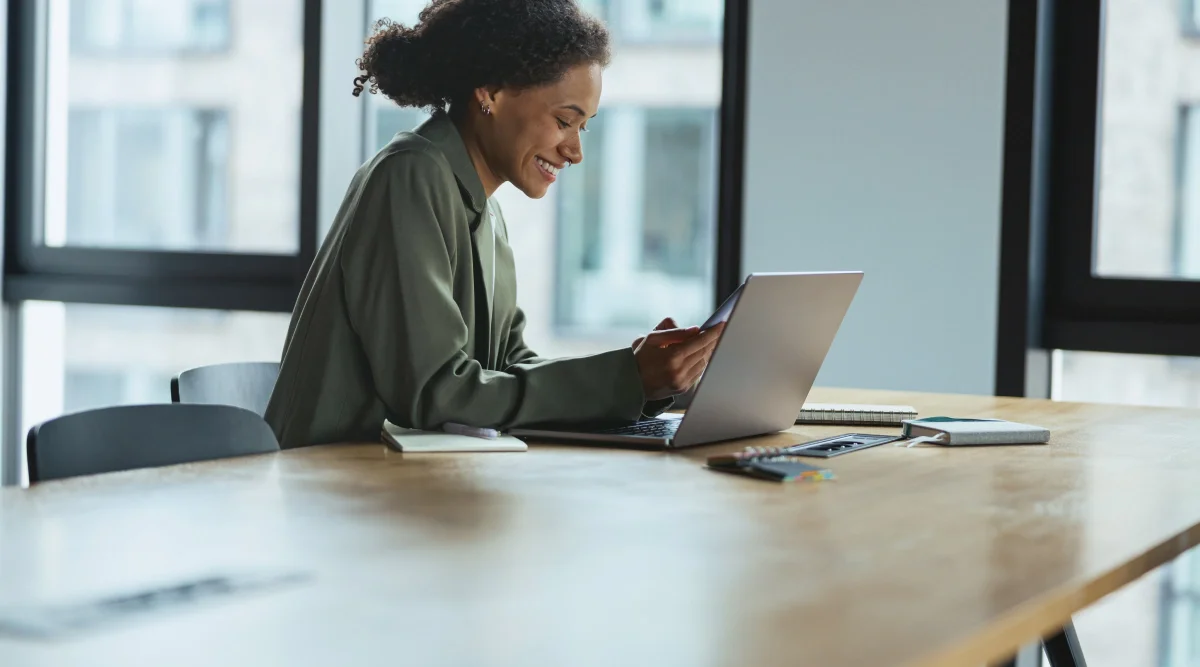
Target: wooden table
<point x="586" y="556"/>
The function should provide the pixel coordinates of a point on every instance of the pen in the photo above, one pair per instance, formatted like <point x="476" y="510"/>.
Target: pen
<point x="460" y="429"/>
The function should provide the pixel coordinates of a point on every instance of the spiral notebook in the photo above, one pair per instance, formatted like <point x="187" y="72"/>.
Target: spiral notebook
<point x="855" y="415"/>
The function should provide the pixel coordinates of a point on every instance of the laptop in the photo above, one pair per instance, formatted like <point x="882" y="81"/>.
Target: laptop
<point x="779" y="329"/>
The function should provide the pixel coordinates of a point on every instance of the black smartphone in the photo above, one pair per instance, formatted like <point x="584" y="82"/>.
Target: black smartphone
<point x="722" y="313"/>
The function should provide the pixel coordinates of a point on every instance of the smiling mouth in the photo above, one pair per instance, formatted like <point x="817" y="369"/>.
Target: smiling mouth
<point x="548" y="170"/>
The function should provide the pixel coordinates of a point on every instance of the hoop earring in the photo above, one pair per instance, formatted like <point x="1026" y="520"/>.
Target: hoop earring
<point x="487" y="110"/>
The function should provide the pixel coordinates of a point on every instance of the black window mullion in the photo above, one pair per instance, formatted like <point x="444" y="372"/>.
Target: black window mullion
<point x="257" y="295"/>
<point x="310" y="138"/>
<point x="732" y="151"/>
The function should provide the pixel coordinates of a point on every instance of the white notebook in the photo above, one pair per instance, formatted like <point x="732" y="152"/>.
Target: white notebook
<point x="855" y="414"/>
<point x="950" y="431"/>
<point x="411" y="440"/>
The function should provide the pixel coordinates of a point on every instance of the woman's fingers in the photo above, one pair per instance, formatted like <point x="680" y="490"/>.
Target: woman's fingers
<point x="667" y="323"/>
<point x="688" y="360"/>
<point x="704" y="343"/>
<point x="663" y="338"/>
<point x="696" y="371"/>
<point x="694" y="341"/>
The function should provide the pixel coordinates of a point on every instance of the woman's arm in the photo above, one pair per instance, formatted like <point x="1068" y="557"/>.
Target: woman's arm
<point x="398" y="264"/>
<point x="518" y="351"/>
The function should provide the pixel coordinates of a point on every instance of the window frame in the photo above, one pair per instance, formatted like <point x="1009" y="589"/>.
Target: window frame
<point x="190" y="279"/>
<point x="1085" y="311"/>
<point x="1049" y="297"/>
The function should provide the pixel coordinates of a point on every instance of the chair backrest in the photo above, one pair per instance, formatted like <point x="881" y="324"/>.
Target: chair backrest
<point x="246" y="385"/>
<point x="126" y="437"/>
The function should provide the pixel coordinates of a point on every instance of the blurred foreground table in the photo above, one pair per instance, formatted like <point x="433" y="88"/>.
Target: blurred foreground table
<point x="591" y="556"/>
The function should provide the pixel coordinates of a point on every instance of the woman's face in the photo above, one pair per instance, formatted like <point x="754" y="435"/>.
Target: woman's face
<point x="533" y="133"/>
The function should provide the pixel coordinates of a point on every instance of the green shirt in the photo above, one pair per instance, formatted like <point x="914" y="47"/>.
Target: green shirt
<point x="399" y="317"/>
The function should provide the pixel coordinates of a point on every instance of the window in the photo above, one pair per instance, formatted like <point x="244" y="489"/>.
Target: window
<point x="130" y="26"/>
<point x="638" y="215"/>
<point x="1144" y="149"/>
<point x="680" y="170"/>
<point x="665" y="20"/>
<point x="1191" y="17"/>
<point x="161" y="210"/>
<point x="156" y="178"/>
<point x="181" y="144"/>
<point x="81" y="356"/>
<point x="1120" y="243"/>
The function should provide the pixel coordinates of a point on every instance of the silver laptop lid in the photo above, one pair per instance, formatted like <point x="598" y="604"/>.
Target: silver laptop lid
<point x="768" y="357"/>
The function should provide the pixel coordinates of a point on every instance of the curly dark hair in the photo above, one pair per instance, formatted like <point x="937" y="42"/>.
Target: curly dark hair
<point x="457" y="46"/>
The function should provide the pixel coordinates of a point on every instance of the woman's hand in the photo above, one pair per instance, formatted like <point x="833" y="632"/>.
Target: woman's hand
<point x="666" y="324"/>
<point x="670" y="360"/>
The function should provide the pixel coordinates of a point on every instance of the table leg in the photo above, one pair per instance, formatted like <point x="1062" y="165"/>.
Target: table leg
<point x="1062" y="648"/>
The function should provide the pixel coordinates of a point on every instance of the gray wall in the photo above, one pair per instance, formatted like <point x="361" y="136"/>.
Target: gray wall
<point x="873" y="142"/>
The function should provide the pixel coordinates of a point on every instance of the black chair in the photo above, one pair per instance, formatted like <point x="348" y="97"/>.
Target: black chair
<point x="246" y="385"/>
<point x="127" y="437"/>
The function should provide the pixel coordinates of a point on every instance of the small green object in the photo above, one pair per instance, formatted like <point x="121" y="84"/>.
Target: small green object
<point x="906" y="431"/>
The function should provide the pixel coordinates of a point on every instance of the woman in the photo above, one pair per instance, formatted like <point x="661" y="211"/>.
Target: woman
<point x="409" y="312"/>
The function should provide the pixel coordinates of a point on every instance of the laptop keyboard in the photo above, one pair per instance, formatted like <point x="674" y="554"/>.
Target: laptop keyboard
<point x="651" y="428"/>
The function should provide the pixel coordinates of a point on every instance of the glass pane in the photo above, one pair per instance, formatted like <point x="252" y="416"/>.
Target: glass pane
<point x="658" y="20"/>
<point x="1181" y="605"/>
<point x="118" y="26"/>
<point x="1156" y="620"/>
<point x="598" y="8"/>
<point x="1189" y="191"/>
<point x="173" y="124"/>
<point x="1147" y="220"/>
<point x="384" y="119"/>
<point x="1129" y="379"/>
<point x="81" y="356"/>
<point x="636" y="218"/>
<point x="627" y="237"/>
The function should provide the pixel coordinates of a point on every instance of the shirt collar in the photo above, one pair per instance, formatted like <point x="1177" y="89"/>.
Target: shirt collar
<point x="440" y="130"/>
